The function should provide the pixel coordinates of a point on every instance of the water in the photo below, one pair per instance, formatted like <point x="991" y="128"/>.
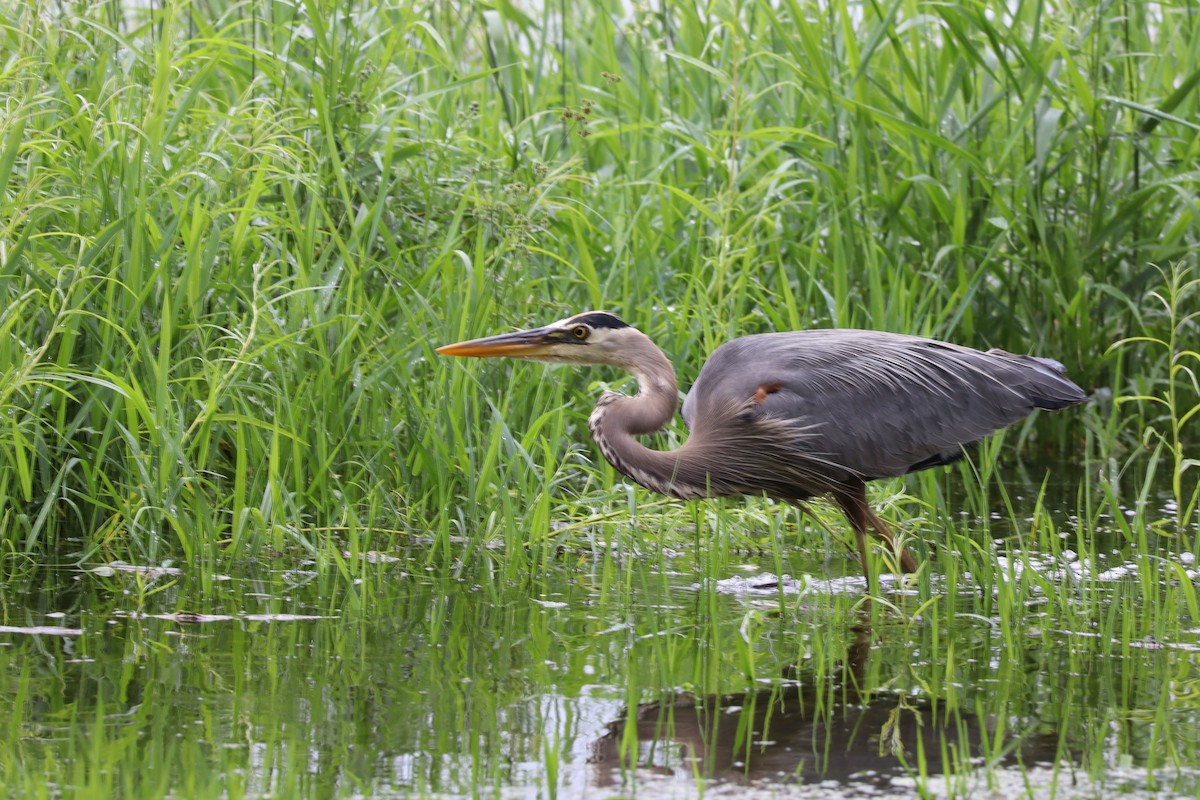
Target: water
<point x="600" y="674"/>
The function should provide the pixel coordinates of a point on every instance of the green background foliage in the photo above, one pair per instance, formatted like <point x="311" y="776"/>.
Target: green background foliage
<point x="232" y="233"/>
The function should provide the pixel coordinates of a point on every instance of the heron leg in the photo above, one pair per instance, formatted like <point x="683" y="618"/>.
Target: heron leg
<point x="855" y="512"/>
<point x="907" y="562"/>
<point x="852" y="499"/>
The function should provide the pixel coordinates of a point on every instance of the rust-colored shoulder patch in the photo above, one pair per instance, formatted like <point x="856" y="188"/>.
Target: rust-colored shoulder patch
<point x="760" y="394"/>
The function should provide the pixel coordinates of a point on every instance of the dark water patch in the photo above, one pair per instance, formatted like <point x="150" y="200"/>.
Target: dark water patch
<point x="792" y="734"/>
<point x="805" y="730"/>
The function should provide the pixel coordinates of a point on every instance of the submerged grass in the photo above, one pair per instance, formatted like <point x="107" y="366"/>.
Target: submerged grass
<point x="231" y="234"/>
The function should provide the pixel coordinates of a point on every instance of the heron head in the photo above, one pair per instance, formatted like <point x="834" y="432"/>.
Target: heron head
<point x="593" y="337"/>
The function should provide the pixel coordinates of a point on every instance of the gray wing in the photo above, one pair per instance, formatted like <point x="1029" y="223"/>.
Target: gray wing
<point x="867" y="404"/>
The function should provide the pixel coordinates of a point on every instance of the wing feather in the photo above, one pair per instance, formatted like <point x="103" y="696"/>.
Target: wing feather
<point x="865" y="404"/>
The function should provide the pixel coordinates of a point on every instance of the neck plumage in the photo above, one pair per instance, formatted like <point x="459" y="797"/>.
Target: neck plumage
<point x="617" y="419"/>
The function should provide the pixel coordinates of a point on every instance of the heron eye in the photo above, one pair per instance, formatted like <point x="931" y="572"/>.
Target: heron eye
<point x="580" y="332"/>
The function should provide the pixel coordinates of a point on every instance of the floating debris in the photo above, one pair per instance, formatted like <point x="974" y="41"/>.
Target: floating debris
<point x="187" y="616"/>
<point x="41" y="630"/>
<point x="374" y="557"/>
<point x="1069" y="565"/>
<point x="763" y="583"/>
<point x="150" y="573"/>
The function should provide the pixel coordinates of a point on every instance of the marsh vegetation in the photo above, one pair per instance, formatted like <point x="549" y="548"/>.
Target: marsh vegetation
<point x="258" y="540"/>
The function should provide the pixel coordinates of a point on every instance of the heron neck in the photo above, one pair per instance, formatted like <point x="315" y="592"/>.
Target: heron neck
<point x="618" y="419"/>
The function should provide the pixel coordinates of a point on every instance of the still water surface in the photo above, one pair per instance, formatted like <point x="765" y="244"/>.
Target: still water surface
<point x="602" y="673"/>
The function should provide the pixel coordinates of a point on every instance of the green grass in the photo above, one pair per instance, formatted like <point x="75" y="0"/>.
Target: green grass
<point x="231" y="235"/>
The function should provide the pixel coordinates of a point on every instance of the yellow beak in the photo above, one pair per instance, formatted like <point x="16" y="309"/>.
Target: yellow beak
<point x="522" y="344"/>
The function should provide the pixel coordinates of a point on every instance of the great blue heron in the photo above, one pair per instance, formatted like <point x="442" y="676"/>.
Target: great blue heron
<point x="795" y="415"/>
